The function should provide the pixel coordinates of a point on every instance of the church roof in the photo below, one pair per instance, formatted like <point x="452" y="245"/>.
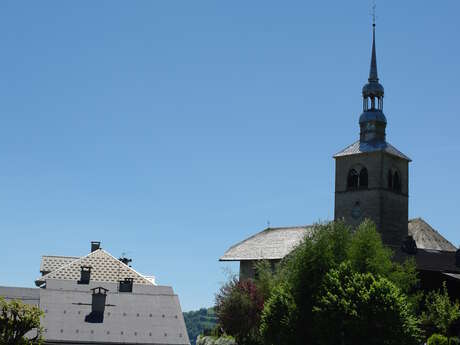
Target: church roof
<point x="51" y="263"/>
<point x="362" y="147"/>
<point x="104" y="268"/>
<point x="276" y="243"/>
<point x="428" y="238"/>
<point x="271" y="243"/>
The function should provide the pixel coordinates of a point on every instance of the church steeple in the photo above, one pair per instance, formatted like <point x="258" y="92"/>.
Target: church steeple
<point x="373" y="76"/>
<point x="372" y="121"/>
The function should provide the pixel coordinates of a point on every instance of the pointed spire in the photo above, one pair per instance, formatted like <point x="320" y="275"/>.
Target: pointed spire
<point x="373" y="71"/>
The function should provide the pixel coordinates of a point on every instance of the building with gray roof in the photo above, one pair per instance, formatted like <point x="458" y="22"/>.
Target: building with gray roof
<point x="99" y="299"/>
<point x="371" y="182"/>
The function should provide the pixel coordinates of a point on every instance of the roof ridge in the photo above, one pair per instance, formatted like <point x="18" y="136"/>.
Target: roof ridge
<point x="129" y="267"/>
<point x="79" y="260"/>
<point x="61" y="256"/>
<point x="42" y="278"/>
<point x="264" y="230"/>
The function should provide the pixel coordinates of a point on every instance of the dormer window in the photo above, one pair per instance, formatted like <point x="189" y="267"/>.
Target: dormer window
<point x="85" y="275"/>
<point x="126" y="285"/>
<point x="357" y="180"/>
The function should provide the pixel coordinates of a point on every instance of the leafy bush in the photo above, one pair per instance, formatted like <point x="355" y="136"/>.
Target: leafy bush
<point x="16" y="320"/>
<point x="437" y="339"/>
<point x="338" y="284"/>
<point x="441" y="313"/>
<point x="454" y="341"/>
<point x="239" y="307"/>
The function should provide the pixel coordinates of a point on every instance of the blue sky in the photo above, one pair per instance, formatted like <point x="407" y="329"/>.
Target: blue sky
<point x="171" y="130"/>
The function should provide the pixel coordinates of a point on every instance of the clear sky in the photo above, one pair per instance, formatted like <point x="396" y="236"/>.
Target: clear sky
<point x="170" y="130"/>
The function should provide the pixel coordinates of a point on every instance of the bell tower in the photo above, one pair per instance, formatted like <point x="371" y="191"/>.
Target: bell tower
<point x="371" y="175"/>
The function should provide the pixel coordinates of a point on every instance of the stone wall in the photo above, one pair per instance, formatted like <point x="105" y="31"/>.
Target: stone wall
<point x="387" y="208"/>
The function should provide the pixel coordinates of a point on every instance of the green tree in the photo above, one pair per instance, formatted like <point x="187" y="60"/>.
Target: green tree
<point x="278" y="317"/>
<point x="304" y="272"/>
<point x="353" y="307"/>
<point x="16" y="320"/>
<point x="441" y="313"/>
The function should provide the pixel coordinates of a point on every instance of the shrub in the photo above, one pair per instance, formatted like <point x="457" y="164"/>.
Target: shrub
<point x="437" y="339"/>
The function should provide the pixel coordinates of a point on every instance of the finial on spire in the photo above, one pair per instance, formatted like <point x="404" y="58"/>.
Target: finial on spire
<point x="373" y="76"/>
<point x="374" y="6"/>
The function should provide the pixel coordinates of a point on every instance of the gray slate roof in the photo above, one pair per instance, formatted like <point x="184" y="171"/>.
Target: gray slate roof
<point x="276" y="243"/>
<point x="428" y="238"/>
<point x="104" y="268"/>
<point x="51" y="263"/>
<point x="271" y="243"/>
<point x="362" y="147"/>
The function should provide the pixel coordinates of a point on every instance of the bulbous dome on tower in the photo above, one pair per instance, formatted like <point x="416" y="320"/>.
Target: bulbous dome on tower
<point x="372" y="121"/>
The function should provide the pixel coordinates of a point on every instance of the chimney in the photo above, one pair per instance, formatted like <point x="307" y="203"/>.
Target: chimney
<point x="95" y="246"/>
<point x="126" y="285"/>
<point x="85" y="275"/>
<point x="99" y="297"/>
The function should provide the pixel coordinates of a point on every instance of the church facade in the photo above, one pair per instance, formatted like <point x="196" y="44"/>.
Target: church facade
<point x="371" y="182"/>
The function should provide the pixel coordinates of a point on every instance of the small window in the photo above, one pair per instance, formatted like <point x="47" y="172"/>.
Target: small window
<point x="353" y="179"/>
<point x="390" y="179"/>
<point x="396" y="182"/>
<point x="363" y="179"/>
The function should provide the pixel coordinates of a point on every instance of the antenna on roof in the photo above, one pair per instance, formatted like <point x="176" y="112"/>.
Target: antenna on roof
<point x="125" y="259"/>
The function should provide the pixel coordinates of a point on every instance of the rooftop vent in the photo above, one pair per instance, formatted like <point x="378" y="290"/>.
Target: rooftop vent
<point x="98" y="299"/>
<point x="126" y="285"/>
<point x="85" y="275"/>
<point x="95" y="246"/>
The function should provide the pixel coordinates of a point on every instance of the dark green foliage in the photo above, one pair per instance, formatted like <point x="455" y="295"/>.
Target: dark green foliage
<point x="16" y="320"/>
<point x="199" y="322"/>
<point x="305" y="269"/>
<point x="278" y="317"/>
<point x="353" y="306"/>
<point x="334" y="276"/>
<point x="437" y="339"/>
<point x="454" y="341"/>
<point x="440" y="312"/>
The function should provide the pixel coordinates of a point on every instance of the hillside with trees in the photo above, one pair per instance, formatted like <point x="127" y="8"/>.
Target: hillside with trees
<point x="199" y="322"/>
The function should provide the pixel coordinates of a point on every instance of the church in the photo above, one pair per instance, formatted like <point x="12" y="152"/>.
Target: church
<point x="371" y="182"/>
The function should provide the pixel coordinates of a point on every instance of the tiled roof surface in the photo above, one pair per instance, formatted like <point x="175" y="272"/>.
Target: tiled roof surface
<point x="361" y="147"/>
<point x="104" y="268"/>
<point x="271" y="243"/>
<point x="428" y="238"/>
<point x="50" y="263"/>
<point x="276" y="243"/>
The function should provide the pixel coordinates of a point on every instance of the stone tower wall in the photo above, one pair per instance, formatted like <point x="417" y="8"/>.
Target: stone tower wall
<point x="387" y="208"/>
